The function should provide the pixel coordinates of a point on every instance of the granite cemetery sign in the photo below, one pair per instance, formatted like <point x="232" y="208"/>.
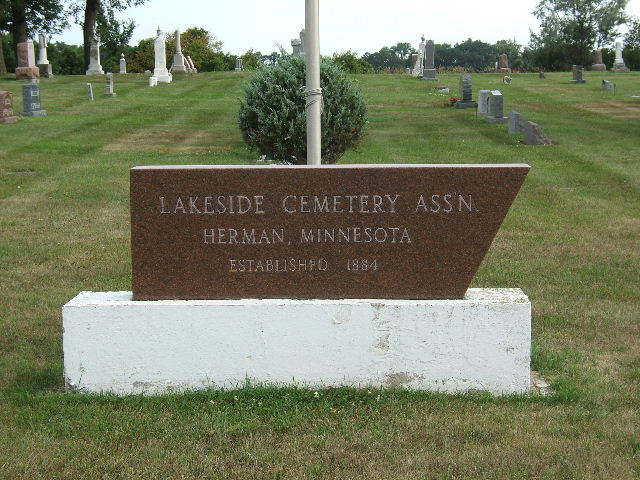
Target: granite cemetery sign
<point x="393" y="231"/>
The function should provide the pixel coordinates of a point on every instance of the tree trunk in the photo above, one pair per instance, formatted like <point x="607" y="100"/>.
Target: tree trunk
<point x="3" y="66"/>
<point x="88" y="29"/>
<point x="19" y="25"/>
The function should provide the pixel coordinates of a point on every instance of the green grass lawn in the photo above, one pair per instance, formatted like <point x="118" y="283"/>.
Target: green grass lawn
<point x="571" y="241"/>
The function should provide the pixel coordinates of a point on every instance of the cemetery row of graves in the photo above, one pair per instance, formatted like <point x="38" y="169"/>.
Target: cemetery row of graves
<point x="569" y="242"/>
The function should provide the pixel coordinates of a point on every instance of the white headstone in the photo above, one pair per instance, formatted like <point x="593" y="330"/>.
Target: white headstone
<point x="109" y="87"/>
<point x="618" y="64"/>
<point x="178" y="65"/>
<point x="160" y="71"/>
<point x="90" y="91"/>
<point x="42" y="57"/>
<point x="94" y="57"/>
<point x="123" y="64"/>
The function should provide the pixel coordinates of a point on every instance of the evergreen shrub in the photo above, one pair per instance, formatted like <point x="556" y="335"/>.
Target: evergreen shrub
<point x="272" y="116"/>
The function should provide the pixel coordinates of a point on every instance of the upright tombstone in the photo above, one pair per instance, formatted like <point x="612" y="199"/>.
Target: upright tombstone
<point x="159" y="48"/>
<point x="429" y="69"/>
<point x="31" y="101"/>
<point x="417" y="59"/>
<point x="496" y="108"/>
<point x="43" y="62"/>
<point x="109" y="86"/>
<point x="514" y="123"/>
<point x="278" y="259"/>
<point x="503" y="64"/>
<point x="541" y="74"/>
<point x="298" y="46"/>
<point x="578" y="70"/>
<point x="466" y="93"/>
<point x="27" y="69"/>
<point x="483" y="102"/>
<point x="533" y="134"/>
<point x="178" y="65"/>
<point x="192" y="68"/>
<point x="607" y="86"/>
<point x="95" y="68"/>
<point x="153" y="81"/>
<point x="239" y="67"/>
<point x="6" y="108"/>
<point x="618" y="64"/>
<point x="90" y="91"/>
<point x="598" y="64"/>
<point x="123" y="64"/>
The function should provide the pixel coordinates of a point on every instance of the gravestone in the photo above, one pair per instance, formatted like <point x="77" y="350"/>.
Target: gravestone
<point x="618" y="64"/>
<point x="160" y="71"/>
<point x="43" y="63"/>
<point x="298" y="44"/>
<point x="31" y="101"/>
<point x="153" y="81"/>
<point x="239" y="67"/>
<point x="109" y="86"/>
<point x="192" y="67"/>
<point x="123" y="64"/>
<point x="503" y="64"/>
<point x="417" y="62"/>
<point x="578" y="70"/>
<point x="90" y="91"/>
<point x="483" y="102"/>
<point x="496" y="108"/>
<point x="178" y="65"/>
<point x="514" y="123"/>
<point x="598" y="64"/>
<point x="541" y="74"/>
<point x="407" y="71"/>
<point x="429" y="69"/>
<point x="27" y="69"/>
<point x="95" y="68"/>
<point x="6" y="108"/>
<point x="234" y="230"/>
<point x="533" y="134"/>
<point x="466" y="93"/>
<point x="607" y="86"/>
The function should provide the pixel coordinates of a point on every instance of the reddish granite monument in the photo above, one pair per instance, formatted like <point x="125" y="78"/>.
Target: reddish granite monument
<point x="6" y="108"/>
<point x="339" y="231"/>
<point x="27" y="69"/>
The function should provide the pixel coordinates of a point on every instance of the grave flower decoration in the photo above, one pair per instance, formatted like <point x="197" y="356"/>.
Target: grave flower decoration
<point x="452" y="101"/>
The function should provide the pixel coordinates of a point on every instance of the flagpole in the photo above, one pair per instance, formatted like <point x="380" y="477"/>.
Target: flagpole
<point x="313" y="90"/>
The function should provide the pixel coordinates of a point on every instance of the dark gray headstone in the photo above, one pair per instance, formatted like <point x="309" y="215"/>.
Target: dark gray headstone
<point x="31" y="101"/>
<point x="466" y="93"/>
<point x="533" y="134"/>
<point x="578" y="70"/>
<point x="496" y="108"/>
<point x="514" y="122"/>
<point x="429" y="69"/>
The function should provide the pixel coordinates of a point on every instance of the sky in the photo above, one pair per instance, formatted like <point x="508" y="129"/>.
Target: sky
<point x="357" y="25"/>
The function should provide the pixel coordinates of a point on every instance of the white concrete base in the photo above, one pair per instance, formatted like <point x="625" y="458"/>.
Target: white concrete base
<point x="112" y="343"/>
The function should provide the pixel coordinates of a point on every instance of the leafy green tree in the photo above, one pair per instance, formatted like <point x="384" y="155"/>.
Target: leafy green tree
<point x="571" y="29"/>
<point x="513" y="50"/>
<point x="66" y="59"/>
<point x="114" y="37"/>
<point x="631" y="51"/>
<point x="350" y="62"/>
<point x="251" y="60"/>
<point x="24" y="18"/>
<point x="92" y="10"/>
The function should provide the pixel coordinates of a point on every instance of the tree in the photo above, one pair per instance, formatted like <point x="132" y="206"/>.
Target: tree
<point x="24" y="18"/>
<point x="92" y="10"/>
<point x="632" y="45"/>
<point x="570" y="29"/>
<point x="350" y="62"/>
<point x="114" y="37"/>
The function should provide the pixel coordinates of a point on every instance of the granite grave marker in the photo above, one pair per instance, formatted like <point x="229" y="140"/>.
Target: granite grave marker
<point x="338" y="231"/>
<point x="178" y="65"/>
<point x="6" y="108"/>
<point x="31" y="101"/>
<point x="95" y="68"/>
<point x="429" y="69"/>
<point x="466" y="93"/>
<point x="159" y="49"/>
<point x="26" y="69"/>
<point x="496" y="108"/>
<point x="109" y="86"/>
<point x="43" y="62"/>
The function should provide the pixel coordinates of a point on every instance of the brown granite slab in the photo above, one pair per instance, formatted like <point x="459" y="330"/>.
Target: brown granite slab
<point x="339" y="231"/>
